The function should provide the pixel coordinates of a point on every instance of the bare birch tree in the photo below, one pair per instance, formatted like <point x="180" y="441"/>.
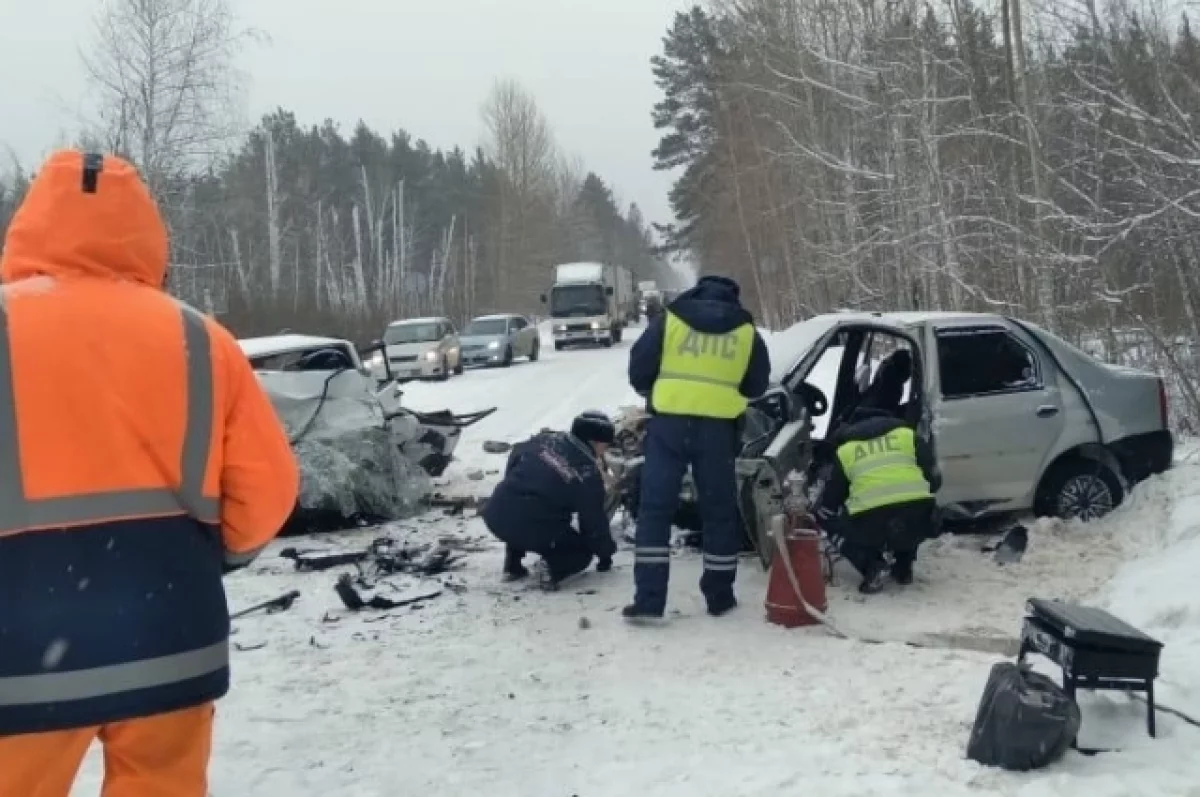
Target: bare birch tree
<point x="522" y="146"/>
<point x="165" y="81"/>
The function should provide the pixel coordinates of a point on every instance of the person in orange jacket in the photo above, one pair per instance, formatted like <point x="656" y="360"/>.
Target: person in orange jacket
<point x="139" y="461"/>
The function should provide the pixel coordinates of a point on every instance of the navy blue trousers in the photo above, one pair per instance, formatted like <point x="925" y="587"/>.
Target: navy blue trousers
<point x="709" y="446"/>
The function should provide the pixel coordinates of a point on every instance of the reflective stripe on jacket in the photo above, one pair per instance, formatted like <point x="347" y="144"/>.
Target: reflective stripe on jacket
<point x="139" y="460"/>
<point x="700" y="374"/>
<point x="883" y="471"/>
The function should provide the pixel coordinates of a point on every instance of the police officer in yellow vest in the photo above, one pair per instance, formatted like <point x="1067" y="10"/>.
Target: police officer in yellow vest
<point x="698" y="364"/>
<point x="879" y="497"/>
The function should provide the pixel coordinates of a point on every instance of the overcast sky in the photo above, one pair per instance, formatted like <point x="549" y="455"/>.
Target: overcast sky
<point x="425" y="65"/>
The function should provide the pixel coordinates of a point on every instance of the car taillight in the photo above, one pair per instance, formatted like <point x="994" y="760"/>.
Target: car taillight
<point x="1162" y="401"/>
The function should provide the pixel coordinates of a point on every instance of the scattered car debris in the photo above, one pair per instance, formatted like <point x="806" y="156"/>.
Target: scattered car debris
<point x="1012" y="547"/>
<point x="465" y="544"/>
<point x="245" y="648"/>
<point x="496" y="446"/>
<point x="385" y="556"/>
<point x="355" y="600"/>
<point x="311" y="561"/>
<point x="476" y="475"/>
<point x="280" y="603"/>
<point x="457" y="504"/>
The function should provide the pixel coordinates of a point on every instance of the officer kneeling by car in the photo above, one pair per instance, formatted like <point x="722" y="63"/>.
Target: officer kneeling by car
<point x="879" y="496"/>
<point x="549" y="478"/>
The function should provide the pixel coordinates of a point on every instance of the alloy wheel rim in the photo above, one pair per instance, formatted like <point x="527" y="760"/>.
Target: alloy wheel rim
<point x="1085" y="497"/>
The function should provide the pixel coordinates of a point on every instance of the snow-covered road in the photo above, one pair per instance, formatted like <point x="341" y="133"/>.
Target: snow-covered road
<point x="530" y="395"/>
<point x="501" y="690"/>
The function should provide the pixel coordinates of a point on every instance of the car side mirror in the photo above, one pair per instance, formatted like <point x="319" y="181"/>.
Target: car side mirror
<point x="379" y="349"/>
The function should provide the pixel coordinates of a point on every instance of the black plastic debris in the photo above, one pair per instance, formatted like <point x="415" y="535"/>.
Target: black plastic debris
<point x="384" y="556"/>
<point x="247" y="647"/>
<point x="349" y="593"/>
<point x="278" y="604"/>
<point x="1025" y="721"/>
<point x="309" y="561"/>
<point x="1011" y="547"/>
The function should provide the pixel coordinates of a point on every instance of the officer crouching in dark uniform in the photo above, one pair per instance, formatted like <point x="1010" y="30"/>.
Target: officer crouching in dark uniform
<point x="879" y="496"/>
<point x="549" y="478"/>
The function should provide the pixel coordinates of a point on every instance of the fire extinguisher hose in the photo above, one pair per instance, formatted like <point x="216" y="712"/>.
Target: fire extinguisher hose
<point x="783" y="552"/>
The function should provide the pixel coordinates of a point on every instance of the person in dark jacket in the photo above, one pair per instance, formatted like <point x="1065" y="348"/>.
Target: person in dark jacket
<point x="887" y="389"/>
<point x="654" y="308"/>
<point x="548" y="479"/>
<point x="698" y="364"/>
<point x="879" y="496"/>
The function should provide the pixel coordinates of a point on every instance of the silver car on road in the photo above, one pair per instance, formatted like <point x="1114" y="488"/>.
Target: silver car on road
<point x="499" y="339"/>
<point x="419" y="348"/>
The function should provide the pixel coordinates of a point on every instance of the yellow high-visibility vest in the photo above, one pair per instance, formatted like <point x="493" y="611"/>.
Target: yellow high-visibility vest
<point x="883" y="471"/>
<point x="700" y="373"/>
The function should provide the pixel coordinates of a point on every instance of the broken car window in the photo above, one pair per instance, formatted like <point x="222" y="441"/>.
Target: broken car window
<point x="323" y="358"/>
<point x="975" y="362"/>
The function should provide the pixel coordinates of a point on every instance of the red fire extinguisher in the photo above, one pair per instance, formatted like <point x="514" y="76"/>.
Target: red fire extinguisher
<point x="796" y="588"/>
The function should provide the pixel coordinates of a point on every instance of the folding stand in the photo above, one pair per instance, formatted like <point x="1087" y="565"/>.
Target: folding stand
<point x="1094" y="649"/>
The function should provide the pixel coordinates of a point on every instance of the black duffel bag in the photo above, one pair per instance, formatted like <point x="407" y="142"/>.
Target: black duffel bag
<point x="1025" y="720"/>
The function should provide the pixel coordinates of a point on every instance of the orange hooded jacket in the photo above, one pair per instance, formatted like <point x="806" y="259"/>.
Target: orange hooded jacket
<point x="139" y="459"/>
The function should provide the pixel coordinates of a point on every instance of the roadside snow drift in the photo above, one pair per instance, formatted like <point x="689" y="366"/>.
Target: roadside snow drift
<point x="1157" y="592"/>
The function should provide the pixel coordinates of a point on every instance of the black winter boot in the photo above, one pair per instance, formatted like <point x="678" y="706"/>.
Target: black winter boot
<point x="633" y="614"/>
<point x="722" y="605"/>
<point x="874" y="578"/>
<point x="513" y="569"/>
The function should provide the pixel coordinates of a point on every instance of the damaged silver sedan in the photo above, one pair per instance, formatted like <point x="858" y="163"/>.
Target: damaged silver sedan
<point x="364" y="459"/>
<point x="1021" y="421"/>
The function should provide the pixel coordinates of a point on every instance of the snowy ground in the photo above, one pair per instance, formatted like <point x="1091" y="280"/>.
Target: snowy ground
<point x="501" y="690"/>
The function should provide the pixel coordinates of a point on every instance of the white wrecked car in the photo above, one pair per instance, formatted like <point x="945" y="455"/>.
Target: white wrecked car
<point x="364" y="459"/>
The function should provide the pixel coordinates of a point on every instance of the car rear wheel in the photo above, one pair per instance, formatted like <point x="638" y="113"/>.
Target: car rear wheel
<point x="1080" y="489"/>
<point x="533" y="353"/>
<point x="458" y="366"/>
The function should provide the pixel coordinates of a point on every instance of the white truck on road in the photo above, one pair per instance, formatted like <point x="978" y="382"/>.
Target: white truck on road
<point x="589" y="303"/>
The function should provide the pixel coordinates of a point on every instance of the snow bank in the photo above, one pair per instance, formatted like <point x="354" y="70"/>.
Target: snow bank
<point x="1157" y="591"/>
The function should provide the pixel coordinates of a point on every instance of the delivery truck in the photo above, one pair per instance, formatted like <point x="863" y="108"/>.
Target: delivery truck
<point x="589" y="303"/>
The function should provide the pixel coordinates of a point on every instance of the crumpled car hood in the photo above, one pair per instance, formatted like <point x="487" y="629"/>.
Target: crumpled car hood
<point x="348" y="454"/>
